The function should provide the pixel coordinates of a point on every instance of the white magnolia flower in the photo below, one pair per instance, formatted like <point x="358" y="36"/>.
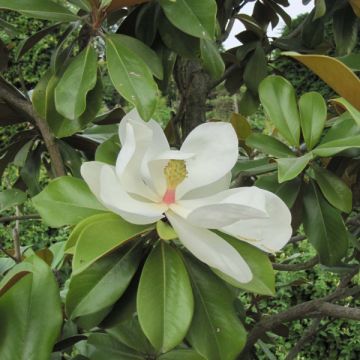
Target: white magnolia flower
<point x="190" y="187"/>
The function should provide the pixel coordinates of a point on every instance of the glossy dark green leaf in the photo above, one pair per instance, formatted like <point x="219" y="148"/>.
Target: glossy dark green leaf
<point x="66" y="201"/>
<point x="211" y="58"/>
<point x="28" y="43"/>
<point x="345" y="27"/>
<point x="352" y="61"/>
<point x="216" y="332"/>
<point x="165" y="301"/>
<point x="183" y="44"/>
<point x="113" y="116"/>
<point x="145" y="53"/>
<point x="196" y="18"/>
<point x="41" y="9"/>
<point x="10" y="198"/>
<point x="181" y="355"/>
<point x="255" y="69"/>
<point x="288" y="169"/>
<point x="103" y="282"/>
<point x="105" y="347"/>
<point x="263" y="281"/>
<point x="269" y="145"/>
<point x="103" y="236"/>
<point x="336" y="192"/>
<point x="30" y="172"/>
<point x="277" y="96"/>
<point x="123" y="324"/>
<point x="131" y="77"/>
<point x="71" y="157"/>
<point x="324" y="227"/>
<point x="79" y="78"/>
<point x="313" y="114"/>
<point x="147" y="22"/>
<point x="30" y="326"/>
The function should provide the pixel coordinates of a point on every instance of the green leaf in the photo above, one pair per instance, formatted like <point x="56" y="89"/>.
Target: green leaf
<point x="93" y="289"/>
<point x="108" y="151"/>
<point x="287" y="191"/>
<point x="355" y="113"/>
<point x="263" y="281"/>
<point x="131" y="76"/>
<point x="41" y="9"/>
<point x="345" y="28"/>
<point x="79" y="78"/>
<point x="333" y="147"/>
<point x="181" y="355"/>
<point x="336" y="192"/>
<point x="352" y="61"/>
<point x="74" y="235"/>
<point x="196" y="18"/>
<point x="123" y="324"/>
<point x="28" y="43"/>
<point x="255" y="69"/>
<point x="277" y="96"/>
<point x="44" y="104"/>
<point x="183" y="44"/>
<point x="165" y="231"/>
<point x="288" y="169"/>
<point x="30" y="172"/>
<point x="149" y="56"/>
<point x="216" y="332"/>
<point x="324" y="227"/>
<point x="269" y="145"/>
<point x="30" y="311"/>
<point x="66" y="201"/>
<point x="165" y="303"/>
<point x="105" y="347"/>
<point x="102" y="237"/>
<point x="10" y="198"/>
<point x="313" y="113"/>
<point x="211" y="58"/>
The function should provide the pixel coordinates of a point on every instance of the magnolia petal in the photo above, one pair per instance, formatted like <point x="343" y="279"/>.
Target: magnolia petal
<point x="268" y="234"/>
<point x="215" y="146"/>
<point x="115" y="198"/>
<point x="211" y="249"/>
<point x="141" y="142"/>
<point x="90" y="172"/>
<point x="208" y="190"/>
<point x="224" y="208"/>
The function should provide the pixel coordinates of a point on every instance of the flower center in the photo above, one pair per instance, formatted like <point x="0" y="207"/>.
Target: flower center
<point x="175" y="173"/>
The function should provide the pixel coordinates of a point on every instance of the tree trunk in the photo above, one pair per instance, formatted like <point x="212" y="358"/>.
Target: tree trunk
<point x="193" y="83"/>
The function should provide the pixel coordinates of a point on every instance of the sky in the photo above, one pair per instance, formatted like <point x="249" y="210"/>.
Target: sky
<point x="296" y="8"/>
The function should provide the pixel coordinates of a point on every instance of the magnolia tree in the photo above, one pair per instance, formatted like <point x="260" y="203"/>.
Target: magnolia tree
<point x="169" y="227"/>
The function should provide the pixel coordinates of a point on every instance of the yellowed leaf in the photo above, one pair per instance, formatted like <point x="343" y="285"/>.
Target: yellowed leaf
<point x="355" y="4"/>
<point x="335" y="73"/>
<point x="241" y="126"/>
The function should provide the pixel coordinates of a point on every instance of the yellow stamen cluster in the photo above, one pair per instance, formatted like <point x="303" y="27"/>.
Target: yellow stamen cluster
<point x="175" y="173"/>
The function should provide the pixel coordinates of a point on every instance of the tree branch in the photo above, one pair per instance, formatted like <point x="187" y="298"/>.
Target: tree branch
<point x="313" y="308"/>
<point x="308" y="334"/>
<point x="17" y="101"/>
<point x="6" y="219"/>
<point x="297" y="267"/>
